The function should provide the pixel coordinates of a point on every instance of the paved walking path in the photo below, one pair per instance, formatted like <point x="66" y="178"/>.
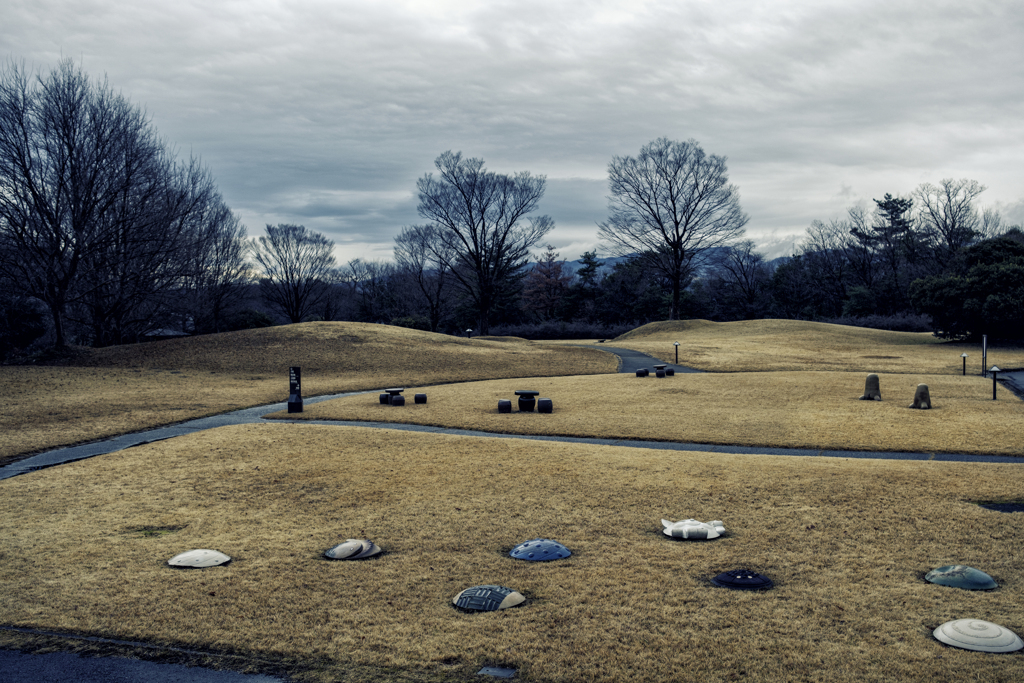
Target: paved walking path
<point x="61" y="667"/>
<point x="16" y="667"/>
<point x="629" y="362"/>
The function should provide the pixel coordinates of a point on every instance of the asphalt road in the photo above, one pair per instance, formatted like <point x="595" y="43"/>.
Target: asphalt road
<point x="62" y="667"/>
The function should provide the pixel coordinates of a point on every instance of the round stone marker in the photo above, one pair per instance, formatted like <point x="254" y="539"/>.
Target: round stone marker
<point x="527" y="400"/>
<point x="962" y="576"/>
<point x="353" y="549"/>
<point x="691" y="529"/>
<point x="978" y="635"/>
<point x="743" y="580"/>
<point x="540" y="550"/>
<point x="488" y="598"/>
<point x="198" y="559"/>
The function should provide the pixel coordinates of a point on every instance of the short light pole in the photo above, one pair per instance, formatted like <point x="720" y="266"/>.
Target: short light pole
<point x="964" y="356"/>
<point x="984" y="353"/>
<point x="994" y="370"/>
<point x="677" y="352"/>
<point x="469" y="333"/>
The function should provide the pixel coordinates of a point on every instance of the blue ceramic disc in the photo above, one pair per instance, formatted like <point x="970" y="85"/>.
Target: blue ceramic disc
<point x="540" y="550"/>
<point x="962" y="576"/>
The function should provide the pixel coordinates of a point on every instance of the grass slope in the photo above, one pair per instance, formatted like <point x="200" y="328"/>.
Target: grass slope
<point x="846" y="541"/>
<point x="109" y="391"/>
<point x="774" y="345"/>
<point x="817" y="410"/>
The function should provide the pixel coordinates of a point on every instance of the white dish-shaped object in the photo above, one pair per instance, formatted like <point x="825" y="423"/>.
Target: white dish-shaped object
<point x="199" y="559"/>
<point x="978" y="635"/>
<point x="691" y="529"/>
<point x="353" y="549"/>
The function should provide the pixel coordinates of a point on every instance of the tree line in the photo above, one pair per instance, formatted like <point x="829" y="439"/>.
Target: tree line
<point x="102" y="226"/>
<point x="107" y="237"/>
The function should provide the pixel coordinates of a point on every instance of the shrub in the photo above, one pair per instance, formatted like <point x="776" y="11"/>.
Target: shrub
<point x="250" y="319"/>
<point x="22" y="321"/>
<point x="562" y="330"/>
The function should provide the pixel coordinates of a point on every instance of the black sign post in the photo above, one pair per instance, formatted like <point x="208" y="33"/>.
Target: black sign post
<point x="294" y="390"/>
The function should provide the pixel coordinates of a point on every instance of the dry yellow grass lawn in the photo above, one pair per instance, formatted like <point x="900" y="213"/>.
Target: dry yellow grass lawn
<point x="846" y="541"/>
<point x="104" y="392"/>
<point x="773" y="345"/>
<point x="817" y="410"/>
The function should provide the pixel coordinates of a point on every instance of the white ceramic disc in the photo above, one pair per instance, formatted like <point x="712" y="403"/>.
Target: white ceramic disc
<point x="978" y="635"/>
<point x="369" y="550"/>
<point x="346" y="550"/>
<point x="199" y="559"/>
<point x="352" y="549"/>
<point x="691" y="529"/>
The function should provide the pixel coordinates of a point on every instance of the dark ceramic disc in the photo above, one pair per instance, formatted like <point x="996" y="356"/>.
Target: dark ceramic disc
<point x="487" y="598"/>
<point x="743" y="580"/>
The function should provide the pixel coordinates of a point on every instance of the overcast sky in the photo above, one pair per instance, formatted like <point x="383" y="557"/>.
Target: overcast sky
<point x="325" y="112"/>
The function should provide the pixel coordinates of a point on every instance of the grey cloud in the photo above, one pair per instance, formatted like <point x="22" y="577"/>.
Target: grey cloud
<point x="326" y="113"/>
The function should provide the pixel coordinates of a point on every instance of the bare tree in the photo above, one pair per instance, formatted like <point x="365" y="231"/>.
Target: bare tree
<point x="825" y="256"/>
<point x="547" y="286"/>
<point x="991" y="224"/>
<point x="948" y="213"/>
<point x="743" y="280"/>
<point x="669" y="205"/>
<point x="371" y="290"/>
<point x="100" y="214"/>
<point x="149" y="236"/>
<point x="217" y="274"/>
<point x="297" y="268"/>
<point x="481" y="219"/>
<point x="72" y="158"/>
<point x="426" y="258"/>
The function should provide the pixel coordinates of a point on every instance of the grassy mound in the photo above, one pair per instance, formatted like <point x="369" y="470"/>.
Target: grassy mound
<point x="327" y="347"/>
<point x="98" y="393"/>
<point x="795" y="345"/>
<point x="847" y="543"/>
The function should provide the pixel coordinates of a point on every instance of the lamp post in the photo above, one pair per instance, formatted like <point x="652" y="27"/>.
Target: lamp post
<point x="469" y="333"/>
<point x="964" y="356"/>
<point x="984" y="353"/>
<point x="994" y="370"/>
<point x="676" y="344"/>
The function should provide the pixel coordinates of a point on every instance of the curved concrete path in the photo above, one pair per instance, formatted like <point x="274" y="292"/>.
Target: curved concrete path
<point x="629" y="362"/>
